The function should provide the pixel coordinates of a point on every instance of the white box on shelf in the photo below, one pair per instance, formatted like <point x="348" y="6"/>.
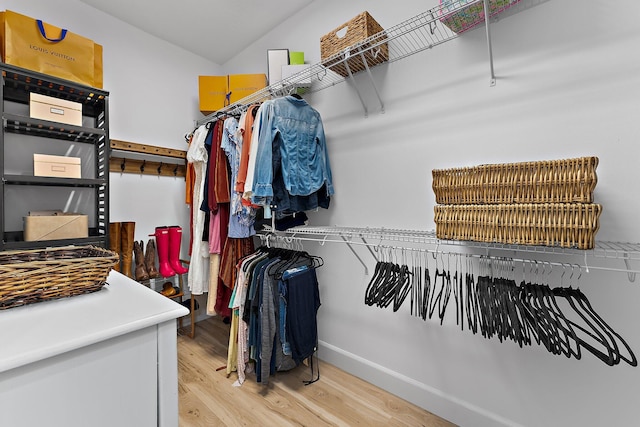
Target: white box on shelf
<point x="55" y="109"/>
<point x="56" y="166"/>
<point x="303" y="80"/>
<point x="276" y="58"/>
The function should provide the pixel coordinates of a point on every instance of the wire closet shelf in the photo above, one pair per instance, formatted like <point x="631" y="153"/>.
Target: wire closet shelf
<point x="419" y="33"/>
<point x="414" y="239"/>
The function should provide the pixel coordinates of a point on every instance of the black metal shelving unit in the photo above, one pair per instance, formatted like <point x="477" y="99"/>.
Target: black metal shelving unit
<point x="17" y="84"/>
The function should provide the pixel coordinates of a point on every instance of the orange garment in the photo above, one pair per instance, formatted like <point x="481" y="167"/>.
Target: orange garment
<point x="233" y="251"/>
<point x="190" y="178"/>
<point x="190" y="181"/>
<point x="246" y="144"/>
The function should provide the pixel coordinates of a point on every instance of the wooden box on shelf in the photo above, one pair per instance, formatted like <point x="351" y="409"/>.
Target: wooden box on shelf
<point x="342" y="39"/>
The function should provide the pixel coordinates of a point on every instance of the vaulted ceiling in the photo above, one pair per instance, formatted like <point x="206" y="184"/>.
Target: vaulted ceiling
<point x="213" y="29"/>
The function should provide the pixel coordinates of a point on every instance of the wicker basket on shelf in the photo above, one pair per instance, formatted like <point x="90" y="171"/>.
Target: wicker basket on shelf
<point x="460" y="19"/>
<point x="359" y="29"/>
<point x="554" y="181"/>
<point x="569" y="225"/>
<point x="30" y="276"/>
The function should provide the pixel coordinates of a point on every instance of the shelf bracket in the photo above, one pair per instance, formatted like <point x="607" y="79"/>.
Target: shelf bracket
<point x="487" y="16"/>
<point x="630" y="275"/>
<point x="347" y="54"/>
<point x="366" y="269"/>
<point x="373" y="83"/>
<point x="368" y="246"/>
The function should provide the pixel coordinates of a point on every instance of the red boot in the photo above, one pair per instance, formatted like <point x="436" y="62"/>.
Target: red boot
<point x="162" y="246"/>
<point x="175" y="240"/>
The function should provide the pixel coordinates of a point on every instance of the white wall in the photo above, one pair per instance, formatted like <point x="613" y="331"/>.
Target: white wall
<point x="568" y="84"/>
<point x="153" y="99"/>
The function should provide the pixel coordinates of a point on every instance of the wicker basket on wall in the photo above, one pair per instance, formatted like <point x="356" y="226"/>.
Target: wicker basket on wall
<point x="30" y="276"/>
<point x="568" y="225"/>
<point x="547" y="203"/>
<point x="363" y="31"/>
<point x="553" y="181"/>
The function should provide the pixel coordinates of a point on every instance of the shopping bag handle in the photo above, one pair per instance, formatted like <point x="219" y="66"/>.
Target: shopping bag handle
<point x="63" y="33"/>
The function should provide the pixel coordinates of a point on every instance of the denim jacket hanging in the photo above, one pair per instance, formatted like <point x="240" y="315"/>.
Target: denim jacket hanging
<point x="292" y="128"/>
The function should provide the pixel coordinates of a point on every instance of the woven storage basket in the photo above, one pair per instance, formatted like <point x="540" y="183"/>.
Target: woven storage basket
<point x="569" y="225"/>
<point x="468" y="17"/>
<point x="361" y="28"/>
<point x="555" y="181"/>
<point x="32" y="276"/>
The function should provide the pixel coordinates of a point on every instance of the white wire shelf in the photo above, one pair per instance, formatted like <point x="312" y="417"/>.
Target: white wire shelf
<point x="419" y="33"/>
<point x="378" y="236"/>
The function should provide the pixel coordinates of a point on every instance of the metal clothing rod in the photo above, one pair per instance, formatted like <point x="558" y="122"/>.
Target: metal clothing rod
<point x="602" y="249"/>
<point x="437" y="251"/>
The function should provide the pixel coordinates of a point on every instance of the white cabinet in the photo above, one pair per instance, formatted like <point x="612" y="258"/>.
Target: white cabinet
<point x="103" y="359"/>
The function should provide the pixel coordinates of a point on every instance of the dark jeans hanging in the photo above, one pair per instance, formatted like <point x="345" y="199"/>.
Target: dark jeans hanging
<point x="302" y="305"/>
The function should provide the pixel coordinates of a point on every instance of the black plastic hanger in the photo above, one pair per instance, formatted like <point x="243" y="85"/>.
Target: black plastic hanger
<point x="607" y="357"/>
<point x="403" y="287"/>
<point x="373" y="283"/>
<point x="426" y="291"/>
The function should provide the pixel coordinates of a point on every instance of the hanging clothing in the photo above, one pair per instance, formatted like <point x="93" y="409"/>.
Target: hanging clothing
<point x="292" y="130"/>
<point x="222" y="293"/>
<point x="263" y="302"/>
<point x="199" y="265"/>
<point x="303" y="302"/>
<point x="216" y="236"/>
<point x="234" y="250"/>
<point x="241" y="217"/>
<point x="242" y="286"/>
<point x="246" y="129"/>
<point x="253" y="150"/>
<point x="212" y="291"/>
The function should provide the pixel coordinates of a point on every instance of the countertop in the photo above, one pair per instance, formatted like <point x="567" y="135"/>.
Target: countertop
<point x="38" y="331"/>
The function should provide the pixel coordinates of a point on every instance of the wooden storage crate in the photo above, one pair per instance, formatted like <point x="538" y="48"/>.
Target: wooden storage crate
<point x="568" y="225"/>
<point x="334" y="45"/>
<point x="30" y="276"/>
<point x="555" y="181"/>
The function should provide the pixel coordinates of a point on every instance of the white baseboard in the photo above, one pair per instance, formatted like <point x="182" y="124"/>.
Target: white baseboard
<point x="433" y="400"/>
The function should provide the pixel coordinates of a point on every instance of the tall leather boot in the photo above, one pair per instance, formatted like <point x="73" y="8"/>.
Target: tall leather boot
<point x="141" y="270"/>
<point x="175" y="240"/>
<point x="115" y="244"/>
<point x="162" y="242"/>
<point x="150" y="259"/>
<point x="128" y="233"/>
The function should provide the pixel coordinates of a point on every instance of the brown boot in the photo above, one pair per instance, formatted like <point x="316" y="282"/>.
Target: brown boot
<point x="128" y="233"/>
<point x="115" y="244"/>
<point x="150" y="259"/>
<point x="141" y="271"/>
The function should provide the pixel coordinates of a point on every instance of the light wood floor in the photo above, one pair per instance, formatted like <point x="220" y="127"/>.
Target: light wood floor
<point x="208" y="398"/>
